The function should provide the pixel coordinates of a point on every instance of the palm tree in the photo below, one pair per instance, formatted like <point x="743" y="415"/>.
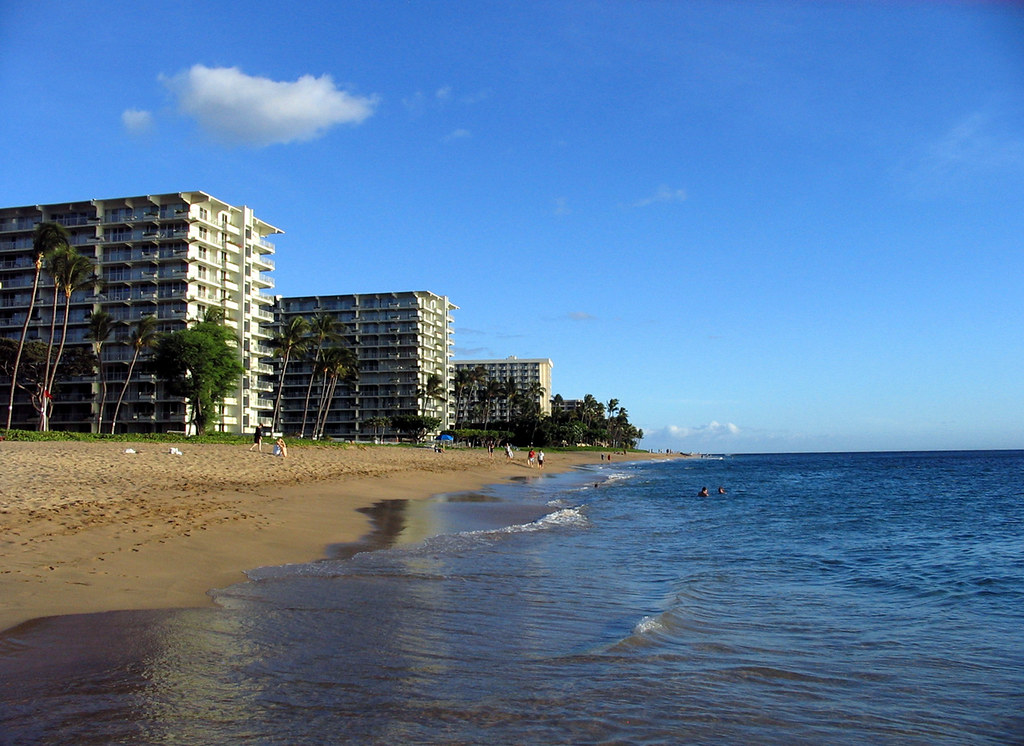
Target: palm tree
<point x="433" y="389"/>
<point x="46" y="238"/>
<point x="465" y="380"/>
<point x="557" y="408"/>
<point x="533" y="395"/>
<point x="101" y="326"/>
<point x="323" y="328"/>
<point x="378" y="425"/>
<point x="592" y="409"/>
<point x="143" y="337"/>
<point x="70" y="271"/>
<point x="335" y="363"/>
<point x="291" y="339"/>
<point x="490" y="391"/>
<point x="509" y="391"/>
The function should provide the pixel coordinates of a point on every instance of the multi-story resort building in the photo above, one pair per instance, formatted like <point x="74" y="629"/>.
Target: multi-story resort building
<point x="403" y="341"/>
<point x="172" y="256"/>
<point x="523" y="373"/>
<point x="566" y="405"/>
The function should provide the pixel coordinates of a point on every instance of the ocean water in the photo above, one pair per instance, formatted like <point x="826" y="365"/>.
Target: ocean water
<point x="826" y="598"/>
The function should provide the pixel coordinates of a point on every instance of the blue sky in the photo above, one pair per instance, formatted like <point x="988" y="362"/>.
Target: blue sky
<point x="762" y="226"/>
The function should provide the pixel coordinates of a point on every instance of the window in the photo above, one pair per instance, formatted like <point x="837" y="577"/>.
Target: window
<point x="204" y="214"/>
<point x="203" y="233"/>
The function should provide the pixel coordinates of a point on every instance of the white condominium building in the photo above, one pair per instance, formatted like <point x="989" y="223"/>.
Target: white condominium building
<point x="523" y="373"/>
<point x="403" y="341"/>
<point x="172" y="256"/>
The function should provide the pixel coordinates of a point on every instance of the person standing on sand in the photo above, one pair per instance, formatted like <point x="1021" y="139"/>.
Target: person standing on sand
<point x="531" y="457"/>
<point x="540" y="459"/>
<point x="257" y="439"/>
<point x="508" y="451"/>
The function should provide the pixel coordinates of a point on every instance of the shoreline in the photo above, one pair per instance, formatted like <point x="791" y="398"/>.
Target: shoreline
<point x="87" y="527"/>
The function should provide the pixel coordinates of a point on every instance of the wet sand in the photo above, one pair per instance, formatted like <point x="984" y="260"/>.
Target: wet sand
<point x="86" y="527"/>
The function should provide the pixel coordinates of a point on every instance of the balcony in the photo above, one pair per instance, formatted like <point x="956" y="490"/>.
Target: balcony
<point x="262" y="262"/>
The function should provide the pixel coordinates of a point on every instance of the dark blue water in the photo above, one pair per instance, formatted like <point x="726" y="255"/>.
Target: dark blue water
<point x="847" y="598"/>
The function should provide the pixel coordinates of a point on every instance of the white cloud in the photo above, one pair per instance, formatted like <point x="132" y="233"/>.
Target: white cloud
<point x="975" y="143"/>
<point x="662" y="195"/>
<point x="581" y="316"/>
<point x="974" y="151"/>
<point x="459" y="134"/>
<point x="244" y="109"/>
<point x="562" y="206"/>
<point x="711" y="430"/>
<point x="136" y="121"/>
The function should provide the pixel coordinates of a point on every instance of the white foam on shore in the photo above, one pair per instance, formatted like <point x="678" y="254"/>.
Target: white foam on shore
<point x="565" y="518"/>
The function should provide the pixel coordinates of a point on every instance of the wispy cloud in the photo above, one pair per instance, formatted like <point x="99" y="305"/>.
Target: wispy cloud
<point x="243" y="109"/>
<point x="562" y="206"/>
<point x="713" y="429"/>
<point x="136" y="121"/>
<point x="422" y="101"/>
<point x="975" y="143"/>
<point x="664" y="194"/>
<point x="470" y="353"/>
<point x="976" y="147"/>
<point x="459" y="134"/>
<point x="581" y="316"/>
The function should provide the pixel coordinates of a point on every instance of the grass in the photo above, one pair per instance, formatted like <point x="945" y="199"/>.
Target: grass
<point x="34" y="436"/>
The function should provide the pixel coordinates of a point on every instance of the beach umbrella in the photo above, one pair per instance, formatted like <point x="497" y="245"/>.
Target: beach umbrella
<point x="446" y="436"/>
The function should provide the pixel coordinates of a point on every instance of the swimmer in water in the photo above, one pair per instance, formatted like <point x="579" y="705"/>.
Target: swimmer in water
<point x="703" y="492"/>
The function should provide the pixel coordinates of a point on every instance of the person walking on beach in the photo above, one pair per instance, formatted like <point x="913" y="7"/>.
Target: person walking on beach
<point x="531" y="457"/>
<point x="508" y="451"/>
<point x="540" y="459"/>
<point x="257" y="439"/>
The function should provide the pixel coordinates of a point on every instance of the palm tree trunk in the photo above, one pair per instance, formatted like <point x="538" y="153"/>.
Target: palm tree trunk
<point x="323" y="405"/>
<point x="60" y="348"/>
<point x="44" y="406"/>
<point x="321" y="410"/>
<point x="21" y="342"/>
<point x="309" y="392"/>
<point x="327" y="407"/>
<point x="124" y="389"/>
<point x="103" y="396"/>
<point x="280" y="390"/>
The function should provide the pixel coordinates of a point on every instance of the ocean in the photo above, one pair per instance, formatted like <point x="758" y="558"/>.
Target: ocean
<point x="825" y="598"/>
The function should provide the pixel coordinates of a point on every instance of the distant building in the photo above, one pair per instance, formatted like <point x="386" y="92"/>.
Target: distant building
<point x="172" y="256"/>
<point x="567" y="405"/>
<point x="522" y="373"/>
<point x="403" y="340"/>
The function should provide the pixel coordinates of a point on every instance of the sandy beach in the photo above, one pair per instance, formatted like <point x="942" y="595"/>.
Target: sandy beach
<point x="87" y="527"/>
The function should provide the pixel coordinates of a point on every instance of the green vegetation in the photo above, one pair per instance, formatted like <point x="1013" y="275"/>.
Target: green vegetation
<point x="415" y="426"/>
<point x="201" y="364"/>
<point x="586" y="423"/>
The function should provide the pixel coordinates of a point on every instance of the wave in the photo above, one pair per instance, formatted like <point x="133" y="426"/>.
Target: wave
<point x="377" y="561"/>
